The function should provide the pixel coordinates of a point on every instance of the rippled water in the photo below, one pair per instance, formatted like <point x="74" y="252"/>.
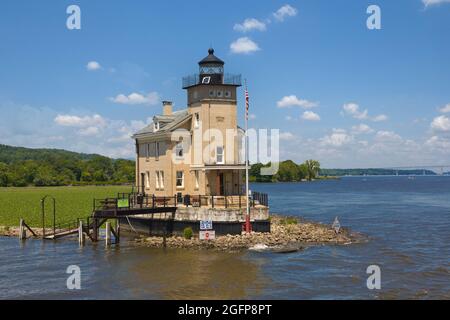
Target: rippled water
<point x="407" y="221"/>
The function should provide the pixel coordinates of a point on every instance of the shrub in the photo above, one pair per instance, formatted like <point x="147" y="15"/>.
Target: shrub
<point x="187" y="233"/>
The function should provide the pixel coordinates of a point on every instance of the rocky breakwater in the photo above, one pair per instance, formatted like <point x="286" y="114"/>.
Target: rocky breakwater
<point x="287" y="234"/>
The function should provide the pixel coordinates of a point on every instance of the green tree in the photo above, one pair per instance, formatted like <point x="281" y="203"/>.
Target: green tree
<point x="313" y="168"/>
<point x="4" y="171"/>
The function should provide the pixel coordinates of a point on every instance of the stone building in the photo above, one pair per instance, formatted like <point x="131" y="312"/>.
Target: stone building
<point x="197" y="150"/>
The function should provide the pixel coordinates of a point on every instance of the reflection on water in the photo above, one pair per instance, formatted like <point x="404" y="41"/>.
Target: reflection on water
<point x="407" y="222"/>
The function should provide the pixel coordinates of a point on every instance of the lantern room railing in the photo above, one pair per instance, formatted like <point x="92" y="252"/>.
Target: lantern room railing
<point x="228" y="79"/>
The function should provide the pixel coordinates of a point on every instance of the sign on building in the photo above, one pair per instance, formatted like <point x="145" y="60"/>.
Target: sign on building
<point x="207" y="235"/>
<point x="206" y="225"/>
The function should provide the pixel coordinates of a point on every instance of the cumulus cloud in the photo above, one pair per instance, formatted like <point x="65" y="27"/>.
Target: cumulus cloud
<point x="354" y="111"/>
<point x="362" y="129"/>
<point x="338" y="138"/>
<point x="293" y="101"/>
<point x="286" y="136"/>
<point x="441" y="123"/>
<point x="310" y="116"/>
<point x="445" y="109"/>
<point x="244" y="45"/>
<point x="80" y="122"/>
<point x="379" y="118"/>
<point x="387" y="136"/>
<point x="428" y="3"/>
<point x="285" y="11"/>
<point x="134" y="98"/>
<point x="93" y="66"/>
<point x="250" y="24"/>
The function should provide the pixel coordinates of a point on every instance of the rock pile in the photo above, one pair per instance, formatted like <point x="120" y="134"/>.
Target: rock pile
<point x="285" y="233"/>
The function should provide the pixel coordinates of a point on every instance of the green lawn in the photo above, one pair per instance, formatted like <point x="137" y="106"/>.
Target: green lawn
<point x="71" y="203"/>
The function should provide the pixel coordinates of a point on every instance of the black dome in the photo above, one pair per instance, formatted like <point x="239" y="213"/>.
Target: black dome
<point x="211" y="58"/>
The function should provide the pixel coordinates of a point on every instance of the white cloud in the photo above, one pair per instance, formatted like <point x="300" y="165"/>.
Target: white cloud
<point x="93" y="66"/>
<point x="353" y="110"/>
<point x="286" y="136"/>
<point x="291" y="101"/>
<point x="244" y="45"/>
<point x="439" y="143"/>
<point x="445" y="109"/>
<point x="310" y="116"/>
<point x="80" y="122"/>
<point x="433" y="2"/>
<point x="441" y="123"/>
<point x="338" y="138"/>
<point x="362" y="129"/>
<point x="285" y="11"/>
<point x="387" y="136"/>
<point x="379" y="118"/>
<point x="249" y="25"/>
<point x="89" y="131"/>
<point x="134" y="98"/>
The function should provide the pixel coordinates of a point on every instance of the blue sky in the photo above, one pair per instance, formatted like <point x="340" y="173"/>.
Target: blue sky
<point x="339" y="92"/>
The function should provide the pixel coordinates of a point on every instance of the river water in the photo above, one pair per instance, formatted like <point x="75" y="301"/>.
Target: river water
<point x="407" y="222"/>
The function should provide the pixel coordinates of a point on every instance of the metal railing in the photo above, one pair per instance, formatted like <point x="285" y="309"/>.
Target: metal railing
<point x="127" y="201"/>
<point x="228" y="79"/>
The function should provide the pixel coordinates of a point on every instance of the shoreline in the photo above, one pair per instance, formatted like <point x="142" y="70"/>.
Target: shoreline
<point x="288" y="234"/>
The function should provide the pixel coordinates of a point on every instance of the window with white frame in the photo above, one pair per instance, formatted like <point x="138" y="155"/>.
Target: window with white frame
<point x="179" y="152"/>
<point x="155" y="126"/>
<point x="157" y="180"/>
<point x="219" y="155"/>
<point x="196" y="120"/>
<point x="161" y="180"/>
<point x="147" y="179"/>
<point x="180" y="179"/>
<point x="197" y="179"/>
<point x="157" y="150"/>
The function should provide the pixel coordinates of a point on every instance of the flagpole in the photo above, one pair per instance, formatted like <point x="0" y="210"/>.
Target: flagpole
<point x="247" y="216"/>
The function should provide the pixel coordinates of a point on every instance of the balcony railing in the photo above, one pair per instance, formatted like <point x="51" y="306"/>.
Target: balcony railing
<point x="127" y="201"/>
<point x="228" y="79"/>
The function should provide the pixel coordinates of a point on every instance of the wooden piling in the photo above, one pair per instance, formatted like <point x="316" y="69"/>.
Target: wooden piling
<point x="108" y="233"/>
<point x="81" y="237"/>
<point x="22" y="231"/>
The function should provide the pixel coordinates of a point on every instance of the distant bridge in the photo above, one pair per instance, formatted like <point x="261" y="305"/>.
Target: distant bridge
<point x="438" y="169"/>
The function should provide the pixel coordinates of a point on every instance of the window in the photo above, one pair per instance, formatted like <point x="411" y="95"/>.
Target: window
<point x="147" y="179"/>
<point x="157" y="150"/>
<point x="159" y="180"/>
<point x="180" y="179"/>
<point x="179" y="150"/>
<point x="197" y="180"/>
<point x="227" y="94"/>
<point x="206" y="80"/>
<point x="156" y="126"/>
<point x="212" y="93"/>
<point x="219" y="94"/>
<point x="196" y="120"/>
<point x="219" y="155"/>
<point x="147" y="150"/>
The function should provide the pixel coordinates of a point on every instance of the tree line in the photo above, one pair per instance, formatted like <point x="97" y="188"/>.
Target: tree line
<point x="20" y="167"/>
<point x="288" y="171"/>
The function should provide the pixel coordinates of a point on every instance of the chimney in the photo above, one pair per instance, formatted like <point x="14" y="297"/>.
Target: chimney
<point x="167" y="108"/>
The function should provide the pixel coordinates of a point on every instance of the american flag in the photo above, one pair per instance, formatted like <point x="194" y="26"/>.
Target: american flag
<point x="246" y="103"/>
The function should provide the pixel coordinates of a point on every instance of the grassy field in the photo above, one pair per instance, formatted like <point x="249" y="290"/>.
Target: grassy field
<point x="71" y="203"/>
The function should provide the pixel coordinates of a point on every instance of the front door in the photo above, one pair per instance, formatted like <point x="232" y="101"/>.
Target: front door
<point x="220" y="184"/>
